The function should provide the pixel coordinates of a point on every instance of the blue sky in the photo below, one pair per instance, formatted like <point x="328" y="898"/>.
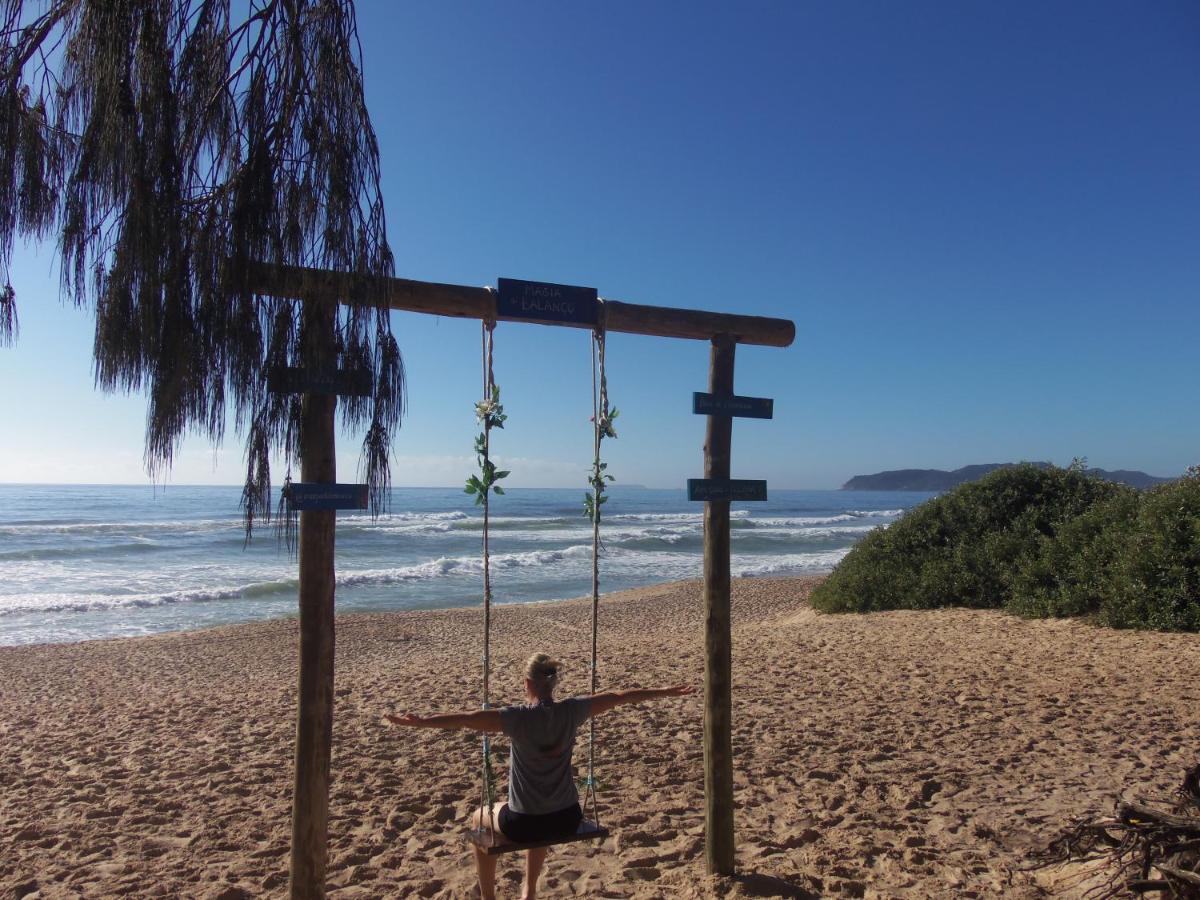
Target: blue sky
<point x="984" y="219"/>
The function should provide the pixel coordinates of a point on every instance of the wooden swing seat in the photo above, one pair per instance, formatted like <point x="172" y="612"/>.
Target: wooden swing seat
<point x="483" y="839"/>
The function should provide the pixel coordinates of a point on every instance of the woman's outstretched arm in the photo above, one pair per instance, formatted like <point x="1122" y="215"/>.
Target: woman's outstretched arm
<point x="481" y="720"/>
<point x="606" y="700"/>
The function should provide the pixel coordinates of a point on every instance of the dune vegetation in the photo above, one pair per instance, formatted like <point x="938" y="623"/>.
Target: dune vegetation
<point x="1036" y="542"/>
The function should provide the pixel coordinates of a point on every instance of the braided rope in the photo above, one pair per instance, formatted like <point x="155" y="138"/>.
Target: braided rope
<point x="489" y="383"/>
<point x="599" y="408"/>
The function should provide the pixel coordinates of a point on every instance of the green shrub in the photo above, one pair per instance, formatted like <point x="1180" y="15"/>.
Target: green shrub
<point x="1072" y="571"/>
<point x="1037" y="542"/>
<point x="965" y="547"/>
<point x="1155" y="576"/>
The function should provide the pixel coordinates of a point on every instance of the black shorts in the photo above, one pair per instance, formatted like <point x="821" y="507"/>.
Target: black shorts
<point x="525" y="829"/>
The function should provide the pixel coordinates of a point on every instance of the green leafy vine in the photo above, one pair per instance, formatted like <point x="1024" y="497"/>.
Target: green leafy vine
<point x="599" y="478"/>
<point x="490" y="414"/>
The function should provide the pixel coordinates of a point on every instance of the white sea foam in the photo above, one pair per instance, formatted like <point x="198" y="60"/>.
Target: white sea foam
<point x="417" y="528"/>
<point x="769" y="530"/>
<point x="185" y="526"/>
<point x="66" y="602"/>
<point x="855" y="531"/>
<point x="800" y="521"/>
<point x="675" y="532"/>
<point x="663" y="565"/>
<point x="404" y="517"/>
<point x="465" y="565"/>
<point x="668" y="534"/>
<point x="748" y="567"/>
<point x="126" y="571"/>
<point x="673" y="517"/>
<point x="131" y="544"/>
<point x="668" y="566"/>
<point x="505" y="521"/>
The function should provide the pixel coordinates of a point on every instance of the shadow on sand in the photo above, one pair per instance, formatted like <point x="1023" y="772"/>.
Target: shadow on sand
<point x="753" y="884"/>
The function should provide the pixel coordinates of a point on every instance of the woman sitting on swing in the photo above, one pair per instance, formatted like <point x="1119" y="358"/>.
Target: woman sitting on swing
<point x="543" y="803"/>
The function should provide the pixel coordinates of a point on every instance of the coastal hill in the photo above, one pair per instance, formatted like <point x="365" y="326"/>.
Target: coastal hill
<point x="940" y="480"/>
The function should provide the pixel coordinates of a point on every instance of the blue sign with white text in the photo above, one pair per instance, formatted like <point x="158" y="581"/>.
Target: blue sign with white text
<point x="540" y="301"/>
<point x="733" y="405"/>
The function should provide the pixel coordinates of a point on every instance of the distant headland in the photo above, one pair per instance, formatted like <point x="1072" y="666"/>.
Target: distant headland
<point x="939" y="480"/>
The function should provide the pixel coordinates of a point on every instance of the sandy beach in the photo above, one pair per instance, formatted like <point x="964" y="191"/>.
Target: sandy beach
<point x="904" y="754"/>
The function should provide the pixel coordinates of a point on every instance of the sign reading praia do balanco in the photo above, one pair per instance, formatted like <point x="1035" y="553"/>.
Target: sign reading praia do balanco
<point x="541" y="301"/>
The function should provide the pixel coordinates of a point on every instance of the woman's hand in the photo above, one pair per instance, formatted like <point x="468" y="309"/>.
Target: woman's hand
<point x="407" y="719"/>
<point x="481" y="720"/>
<point x="679" y="690"/>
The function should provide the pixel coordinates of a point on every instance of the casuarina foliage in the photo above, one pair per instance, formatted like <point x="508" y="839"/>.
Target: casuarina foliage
<point x="170" y="149"/>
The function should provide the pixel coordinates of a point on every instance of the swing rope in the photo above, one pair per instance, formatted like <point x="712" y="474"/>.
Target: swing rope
<point x="488" y="411"/>
<point x="599" y="426"/>
<point x="489" y="388"/>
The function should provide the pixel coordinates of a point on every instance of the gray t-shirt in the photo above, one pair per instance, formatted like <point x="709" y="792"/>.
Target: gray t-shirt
<point x="539" y="770"/>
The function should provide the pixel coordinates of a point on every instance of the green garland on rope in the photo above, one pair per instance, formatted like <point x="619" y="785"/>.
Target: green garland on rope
<point x="599" y="477"/>
<point x="490" y="414"/>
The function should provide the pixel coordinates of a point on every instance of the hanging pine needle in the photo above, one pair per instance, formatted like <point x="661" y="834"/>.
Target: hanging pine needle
<point x="169" y="148"/>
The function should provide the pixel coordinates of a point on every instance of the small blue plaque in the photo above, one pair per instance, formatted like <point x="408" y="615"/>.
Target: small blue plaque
<point x="732" y="405"/>
<point x="541" y="301"/>
<point x="314" y="497"/>
<point x="341" y="382"/>
<point x="726" y="489"/>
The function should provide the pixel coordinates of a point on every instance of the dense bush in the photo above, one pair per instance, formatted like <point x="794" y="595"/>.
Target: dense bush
<point x="1038" y="542"/>
<point x="1155" y="575"/>
<point x="1071" y="572"/>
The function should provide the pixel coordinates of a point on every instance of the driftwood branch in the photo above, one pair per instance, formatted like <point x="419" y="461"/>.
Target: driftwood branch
<point x="1183" y="875"/>
<point x="1139" y="814"/>
<point x="1148" y="850"/>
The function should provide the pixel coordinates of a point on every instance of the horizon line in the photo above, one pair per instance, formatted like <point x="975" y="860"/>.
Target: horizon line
<point x="426" y="487"/>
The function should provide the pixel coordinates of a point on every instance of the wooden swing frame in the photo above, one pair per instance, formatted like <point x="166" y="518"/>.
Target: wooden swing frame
<point x="322" y="291"/>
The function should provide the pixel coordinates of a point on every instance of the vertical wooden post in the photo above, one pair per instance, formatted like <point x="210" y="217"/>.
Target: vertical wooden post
<point x="314" y="715"/>
<point x="718" y="746"/>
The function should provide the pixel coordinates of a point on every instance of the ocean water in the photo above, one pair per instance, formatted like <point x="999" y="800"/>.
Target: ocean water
<point x="83" y="562"/>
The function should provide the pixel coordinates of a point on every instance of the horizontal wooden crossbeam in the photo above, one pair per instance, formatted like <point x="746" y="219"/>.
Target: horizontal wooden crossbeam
<point x="299" y="283"/>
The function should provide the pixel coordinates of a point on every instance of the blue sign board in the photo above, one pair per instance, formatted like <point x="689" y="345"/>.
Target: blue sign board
<point x="342" y="382"/>
<point x="312" y="497"/>
<point x="732" y="405"/>
<point x="725" y="489"/>
<point x="540" y="301"/>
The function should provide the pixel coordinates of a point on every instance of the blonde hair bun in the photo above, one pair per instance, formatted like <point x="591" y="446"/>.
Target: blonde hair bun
<point x="542" y="667"/>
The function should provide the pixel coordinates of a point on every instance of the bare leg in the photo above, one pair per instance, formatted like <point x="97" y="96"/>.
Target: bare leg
<point x="485" y="869"/>
<point x="533" y="869"/>
<point x="485" y="866"/>
<point x="482" y="820"/>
